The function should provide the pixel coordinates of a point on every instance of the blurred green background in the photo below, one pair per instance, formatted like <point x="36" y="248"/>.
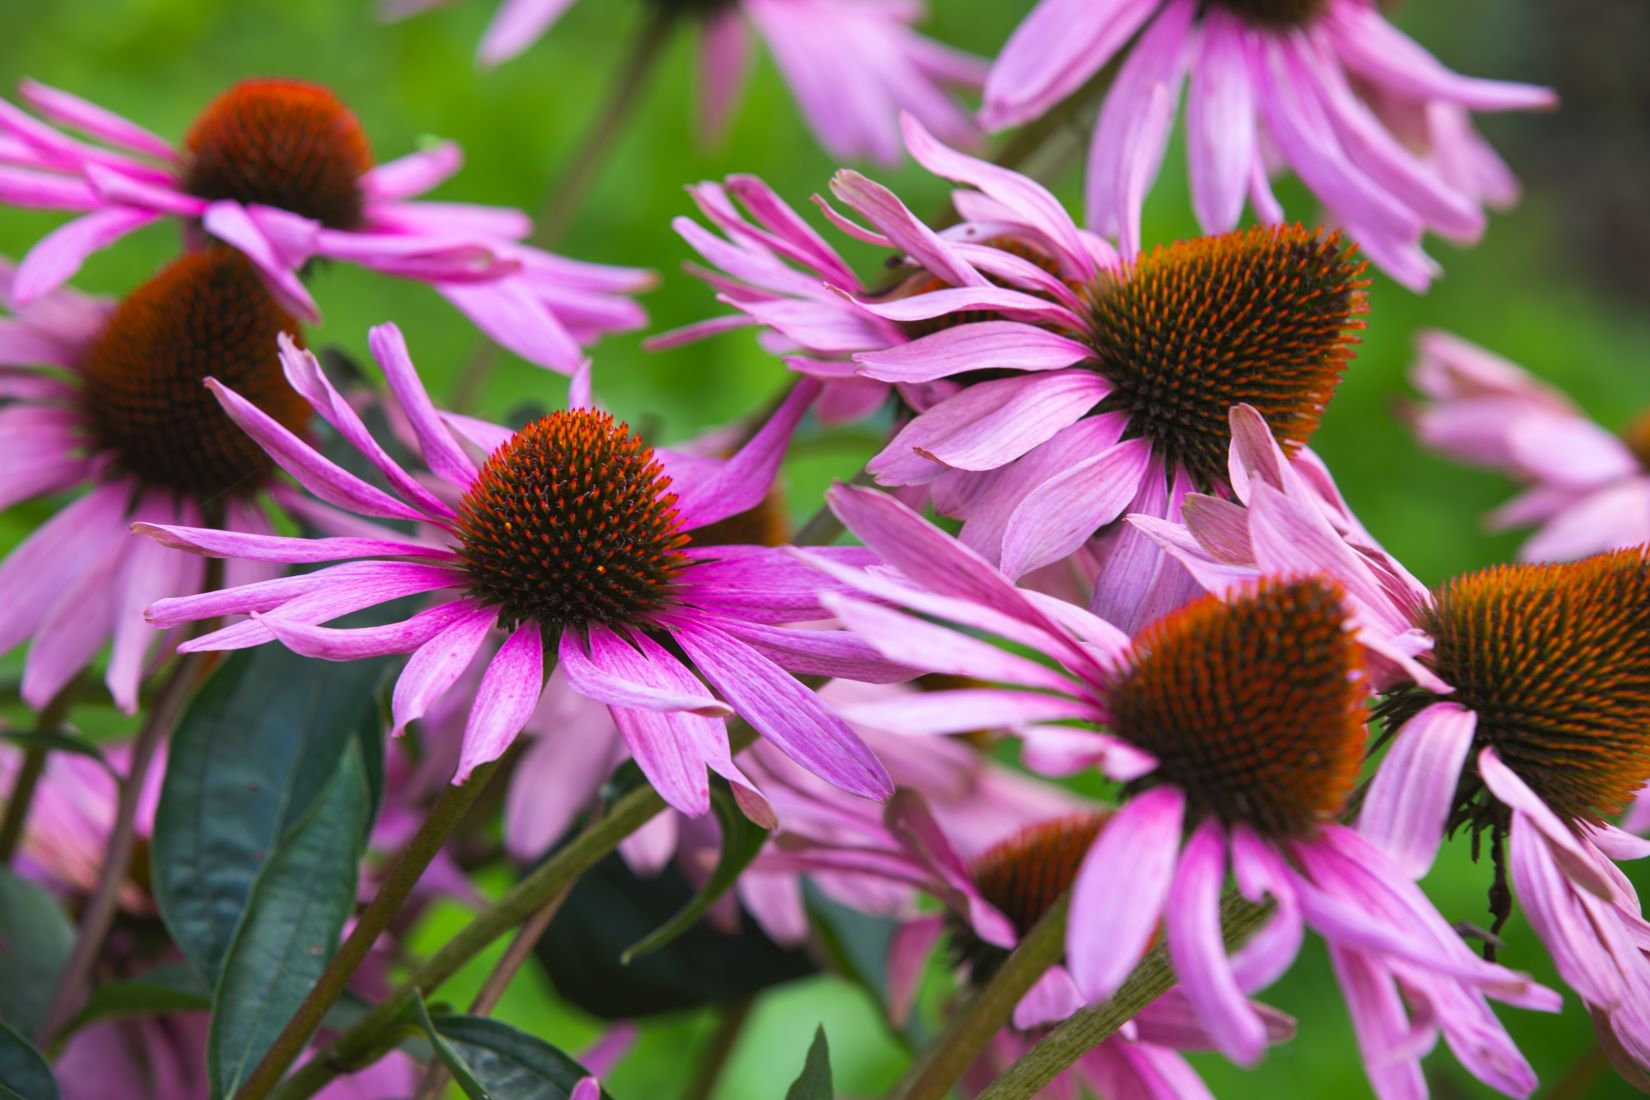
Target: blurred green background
<point x="1558" y="285"/>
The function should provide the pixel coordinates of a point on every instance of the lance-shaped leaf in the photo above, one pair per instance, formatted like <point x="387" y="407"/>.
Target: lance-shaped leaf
<point x="24" y="1074"/>
<point x="171" y="988"/>
<point x="815" y="1080"/>
<point x="35" y="940"/>
<point x="247" y="761"/>
<point x="291" y="925"/>
<point x="500" y="1062"/>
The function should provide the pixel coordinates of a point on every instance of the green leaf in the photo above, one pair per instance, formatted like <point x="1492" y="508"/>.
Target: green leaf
<point x="24" y="1074"/>
<point x="172" y="988"/>
<point x="741" y="840"/>
<point x="35" y="940"/>
<point x="58" y="742"/>
<point x="247" y="761"/>
<point x="291" y="926"/>
<point x="504" y="1062"/>
<point x="463" y="1075"/>
<point x="815" y="1082"/>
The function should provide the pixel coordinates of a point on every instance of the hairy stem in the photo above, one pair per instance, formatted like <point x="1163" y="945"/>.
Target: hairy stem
<point x="403" y="874"/>
<point x="1091" y="1026"/>
<point x="945" y="1060"/>
<point x="99" y="914"/>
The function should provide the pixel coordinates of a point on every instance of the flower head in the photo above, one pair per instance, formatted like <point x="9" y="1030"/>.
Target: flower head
<point x="853" y="65"/>
<point x="1375" y="126"/>
<point x="1238" y="726"/>
<point x="568" y="537"/>
<point x="282" y="170"/>
<point x="1587" y="489"/>
<point x="108" y="397"/>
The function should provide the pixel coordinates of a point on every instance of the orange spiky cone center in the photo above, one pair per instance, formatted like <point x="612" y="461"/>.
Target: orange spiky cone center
<point x="571" y="523"/>
<point x="280" y="143"/>
<point x="1253" y="706"/>
<point x="1266" y="316"/>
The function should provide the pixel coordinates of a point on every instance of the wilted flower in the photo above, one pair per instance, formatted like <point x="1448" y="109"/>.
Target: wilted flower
<point x="1240" y="726"/>
<point x="282" y="170"/>
<point x="1371" y="122"/>
<point x="571" y="535"/>
<point x="853" y="65"/>
<point x="1589" y="490"/>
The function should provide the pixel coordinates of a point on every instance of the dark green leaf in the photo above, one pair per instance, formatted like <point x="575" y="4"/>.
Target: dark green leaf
<point x="247" y="761"/>
<point x="174" y="988"/>
<point x="291" y="925"/>
<point x="35" y="940"/>
<point x="741" y="840"/>
<point x="58" y="742"/>
<point x="611" y="907"/>
<point x="506" y="1063"/>
<point x="463" y="1075"/>
<point x="815" y="1082"/>
<point x="24" y="1074"/>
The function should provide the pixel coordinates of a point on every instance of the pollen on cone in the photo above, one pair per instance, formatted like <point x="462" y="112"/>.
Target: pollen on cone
<point x="1252" y="706"/>
<point x="570" y="523"/>
<point x="1265" y="316"/>
<point x="206" y="315"/>
<point x="280" y="143"/>
<point x="1554" y="660"/>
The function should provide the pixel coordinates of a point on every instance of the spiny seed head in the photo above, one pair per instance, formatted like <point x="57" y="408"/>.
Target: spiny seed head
<point x="1265" y="316"/>
<point x="1022" y="877"/>
<point x="570" y="523"/>
<point x="282" y="143"/>
<point x="1554" y="660"/>
<point x="206" y="315"/>
<point x="1275" y="14"/>
<point x="1252" y="706"/>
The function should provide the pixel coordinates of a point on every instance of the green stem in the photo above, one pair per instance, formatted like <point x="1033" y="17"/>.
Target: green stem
<point x="99" y="914"/>
<point x="584" y="166"/>
<point x="403" y="874"/>
<point x="720" y="1049"/>
<point x="370" y="1037"/>
<point x="23" y="787"/>
<point x="948" y="1058"/>
<point x="1089" y="1027"/>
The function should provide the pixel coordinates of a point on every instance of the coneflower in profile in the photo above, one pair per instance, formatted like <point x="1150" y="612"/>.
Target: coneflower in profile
<point x="282" y="170"/>
<point x="107" y="401"/>
<point x="569" y="538"/>
<point x="1239" y="727"/>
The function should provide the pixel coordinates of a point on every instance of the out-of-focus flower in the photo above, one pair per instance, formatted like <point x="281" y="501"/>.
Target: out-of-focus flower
<point x="1241" y="727"/>
<point x="1589" y="490"/>
<point x="283" y="171"/>
<point x="1328" y="88"/>
<point x="572" y="535"/>
<point x="853" y="65"/>
<point x="106" y="399"/>
<point x="1550" y="671"/>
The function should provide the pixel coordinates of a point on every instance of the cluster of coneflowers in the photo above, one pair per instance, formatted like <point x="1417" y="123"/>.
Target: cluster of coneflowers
<point x="1096" y="533"/>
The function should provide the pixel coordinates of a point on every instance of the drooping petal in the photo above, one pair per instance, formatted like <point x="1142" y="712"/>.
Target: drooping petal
<point x="508" y="694"/>
<point x="436" y="666"/>
<point x="1198" y="949"/>
<point x="1409" y="801"/>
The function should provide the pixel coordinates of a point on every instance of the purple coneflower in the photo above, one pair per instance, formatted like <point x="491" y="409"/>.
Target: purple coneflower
<point x="853" y="65"/>
<point x="995" y="889"/>
<point x="1372" y="123"/>
<point x="107" y="398"/>
<point x="1240" y="727"/>
<point x="1589" y="490"/>
<point x="570" y="536"/>
<point x="282" y="170"/>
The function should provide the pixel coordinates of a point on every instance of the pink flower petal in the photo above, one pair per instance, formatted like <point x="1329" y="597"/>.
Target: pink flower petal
<point x="1409" y="801"/>
<point x="437" y="665"/>
<point x="504" y="702"/>
<point x="1118" y="897"/>
<point x="1198" y="950"/>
